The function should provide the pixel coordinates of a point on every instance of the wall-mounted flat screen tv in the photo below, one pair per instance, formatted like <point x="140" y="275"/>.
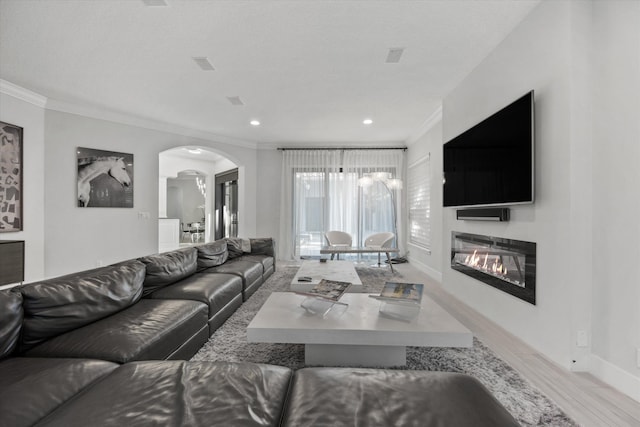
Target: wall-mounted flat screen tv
<point x="492" y="163"/>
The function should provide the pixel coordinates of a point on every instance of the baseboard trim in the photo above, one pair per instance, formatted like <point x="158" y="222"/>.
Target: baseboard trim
<point x="615" y="377"/>
<point x="429" y="271"/>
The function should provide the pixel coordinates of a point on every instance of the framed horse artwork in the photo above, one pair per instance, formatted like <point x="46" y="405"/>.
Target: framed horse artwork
<point x="105" y="179"/>
<point x="11" y="196"/>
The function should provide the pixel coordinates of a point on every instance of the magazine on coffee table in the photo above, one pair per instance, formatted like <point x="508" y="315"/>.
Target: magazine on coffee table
<point x="401" y="292"/>
<point x="330" y="290"/>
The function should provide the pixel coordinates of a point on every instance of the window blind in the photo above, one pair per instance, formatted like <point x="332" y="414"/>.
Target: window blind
<point x="419" y="200"/>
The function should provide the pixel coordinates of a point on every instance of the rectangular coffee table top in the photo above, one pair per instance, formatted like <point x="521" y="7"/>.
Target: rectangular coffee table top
<point x="282" y="320"/>
<point x="342" y="271"/>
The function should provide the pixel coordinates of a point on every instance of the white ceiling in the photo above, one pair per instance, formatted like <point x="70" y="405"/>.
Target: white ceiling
<point x="309" y="70"/>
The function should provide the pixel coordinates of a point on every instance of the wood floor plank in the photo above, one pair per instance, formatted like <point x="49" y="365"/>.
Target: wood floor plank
<point x="587" y="400"/>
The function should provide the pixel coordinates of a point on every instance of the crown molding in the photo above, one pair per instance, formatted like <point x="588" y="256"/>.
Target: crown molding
<point x="23" y="94"/>
<point x="128" y="119"/>
<point x="38" y="100"/>
<point x="426" y="126"/>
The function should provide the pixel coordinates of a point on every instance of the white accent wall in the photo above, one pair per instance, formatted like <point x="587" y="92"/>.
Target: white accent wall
<point x="82" y="238"/>
<point x="616" y="193"/>
<point x="583" y="61"/>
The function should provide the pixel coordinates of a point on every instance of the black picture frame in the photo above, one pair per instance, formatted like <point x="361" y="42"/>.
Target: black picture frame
<point x="104" y="179"/>
<point x="11" y="177"/>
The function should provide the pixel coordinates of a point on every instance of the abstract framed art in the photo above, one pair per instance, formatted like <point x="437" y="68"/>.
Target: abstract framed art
<point x="105" y="179"/>
<point x="11" y="194"/>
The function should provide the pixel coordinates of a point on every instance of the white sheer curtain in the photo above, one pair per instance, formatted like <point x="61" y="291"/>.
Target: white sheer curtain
<point x="320" y="193"/>
<point x="381" y="205"/>
<point x="304" y="203"/>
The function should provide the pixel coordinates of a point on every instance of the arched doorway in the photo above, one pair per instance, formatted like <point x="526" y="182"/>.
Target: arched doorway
<point x="187" y="194"/>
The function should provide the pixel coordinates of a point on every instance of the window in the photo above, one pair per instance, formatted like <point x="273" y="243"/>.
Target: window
<point x="419" y="200"/>
<point x="327" y="200"/>
<point x="322" y="191"/>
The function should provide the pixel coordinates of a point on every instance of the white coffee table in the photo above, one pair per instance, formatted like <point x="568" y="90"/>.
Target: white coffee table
<point x="357" y="335"/>
<point x="342" y="271"/>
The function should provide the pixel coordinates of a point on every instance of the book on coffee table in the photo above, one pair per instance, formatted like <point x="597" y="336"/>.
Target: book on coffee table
<point x="401" y="292"/>
<point x="330" y="290"/>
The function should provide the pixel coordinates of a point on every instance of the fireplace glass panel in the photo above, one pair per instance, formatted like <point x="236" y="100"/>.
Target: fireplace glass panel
<point x="506" y="264"/>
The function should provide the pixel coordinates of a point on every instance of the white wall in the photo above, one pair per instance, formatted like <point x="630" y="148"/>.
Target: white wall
<point x="581" y="58"/>
<point x="429" y="144"/>
<point x="268" y="193"/>
<point x="616" y="201"/>
<point x="81" y="238"/>
<point x="189" y="198"/>
<point x="29" y="115"/>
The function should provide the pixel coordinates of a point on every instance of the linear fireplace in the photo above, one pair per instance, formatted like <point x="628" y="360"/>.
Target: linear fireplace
<point x="506" y="264"/>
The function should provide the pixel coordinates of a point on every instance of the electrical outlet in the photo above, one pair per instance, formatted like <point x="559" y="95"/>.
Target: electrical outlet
<point x="582" y="340"/>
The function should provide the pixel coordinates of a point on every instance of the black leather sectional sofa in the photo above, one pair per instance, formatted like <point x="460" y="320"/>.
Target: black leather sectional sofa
<point x="162" y="306"/>
<point x="108" y="347"/>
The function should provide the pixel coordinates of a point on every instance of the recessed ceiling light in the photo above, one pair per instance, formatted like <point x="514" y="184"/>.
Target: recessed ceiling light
<point x="194" y="150"/>
<point x="203" y="63"/>
<point x="367" y="121"/>
<point x="394" y="55"/>
<point x="254" y="123"/>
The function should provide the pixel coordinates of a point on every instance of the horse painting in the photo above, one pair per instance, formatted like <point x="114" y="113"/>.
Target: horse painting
<point x="90" y="171"/>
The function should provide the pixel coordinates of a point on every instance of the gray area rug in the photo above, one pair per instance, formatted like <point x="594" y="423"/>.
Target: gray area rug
<point x="526" y="403"/>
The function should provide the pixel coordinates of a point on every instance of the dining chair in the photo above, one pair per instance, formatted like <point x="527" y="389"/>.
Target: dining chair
<point x="185" y="231"/>
<point x="196" y="231"/>
<point x="379" y="240"/>
<point x="338" y="238"/>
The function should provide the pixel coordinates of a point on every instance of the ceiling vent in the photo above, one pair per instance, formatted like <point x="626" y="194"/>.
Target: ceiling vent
<point x="235" y="100"/>
<point x="155" y="2"/>
<point x="203" y="63"/>
<point x="393" y="57"/>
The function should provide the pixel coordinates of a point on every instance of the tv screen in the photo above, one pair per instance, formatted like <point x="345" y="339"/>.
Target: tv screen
<point x="491" y="164"/>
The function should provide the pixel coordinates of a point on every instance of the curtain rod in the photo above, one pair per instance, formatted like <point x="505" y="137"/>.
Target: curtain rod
<point x="342" y="148"/>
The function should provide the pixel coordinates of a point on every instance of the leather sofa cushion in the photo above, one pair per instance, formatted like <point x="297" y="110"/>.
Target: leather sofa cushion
<point x="11" y="323"/>
<point x="169" y="267"/>
<point x="56" y="306"/>
<point x="31" y="388"/>
<point x="343" y="396"/>
<point x="215" y="290"/>
<point x="212" y="254"/>
<point x="265" y="260"/>
<point x="150" y="329"/>
<point x="178" y="393"/>
<point x="249" y="271"/>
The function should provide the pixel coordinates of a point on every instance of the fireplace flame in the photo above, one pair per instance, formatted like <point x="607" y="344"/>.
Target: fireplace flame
<point x="481" y="262"/>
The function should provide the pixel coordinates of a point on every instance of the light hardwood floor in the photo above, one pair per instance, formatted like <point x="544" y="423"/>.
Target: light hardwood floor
<point x="587" y="400"/>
